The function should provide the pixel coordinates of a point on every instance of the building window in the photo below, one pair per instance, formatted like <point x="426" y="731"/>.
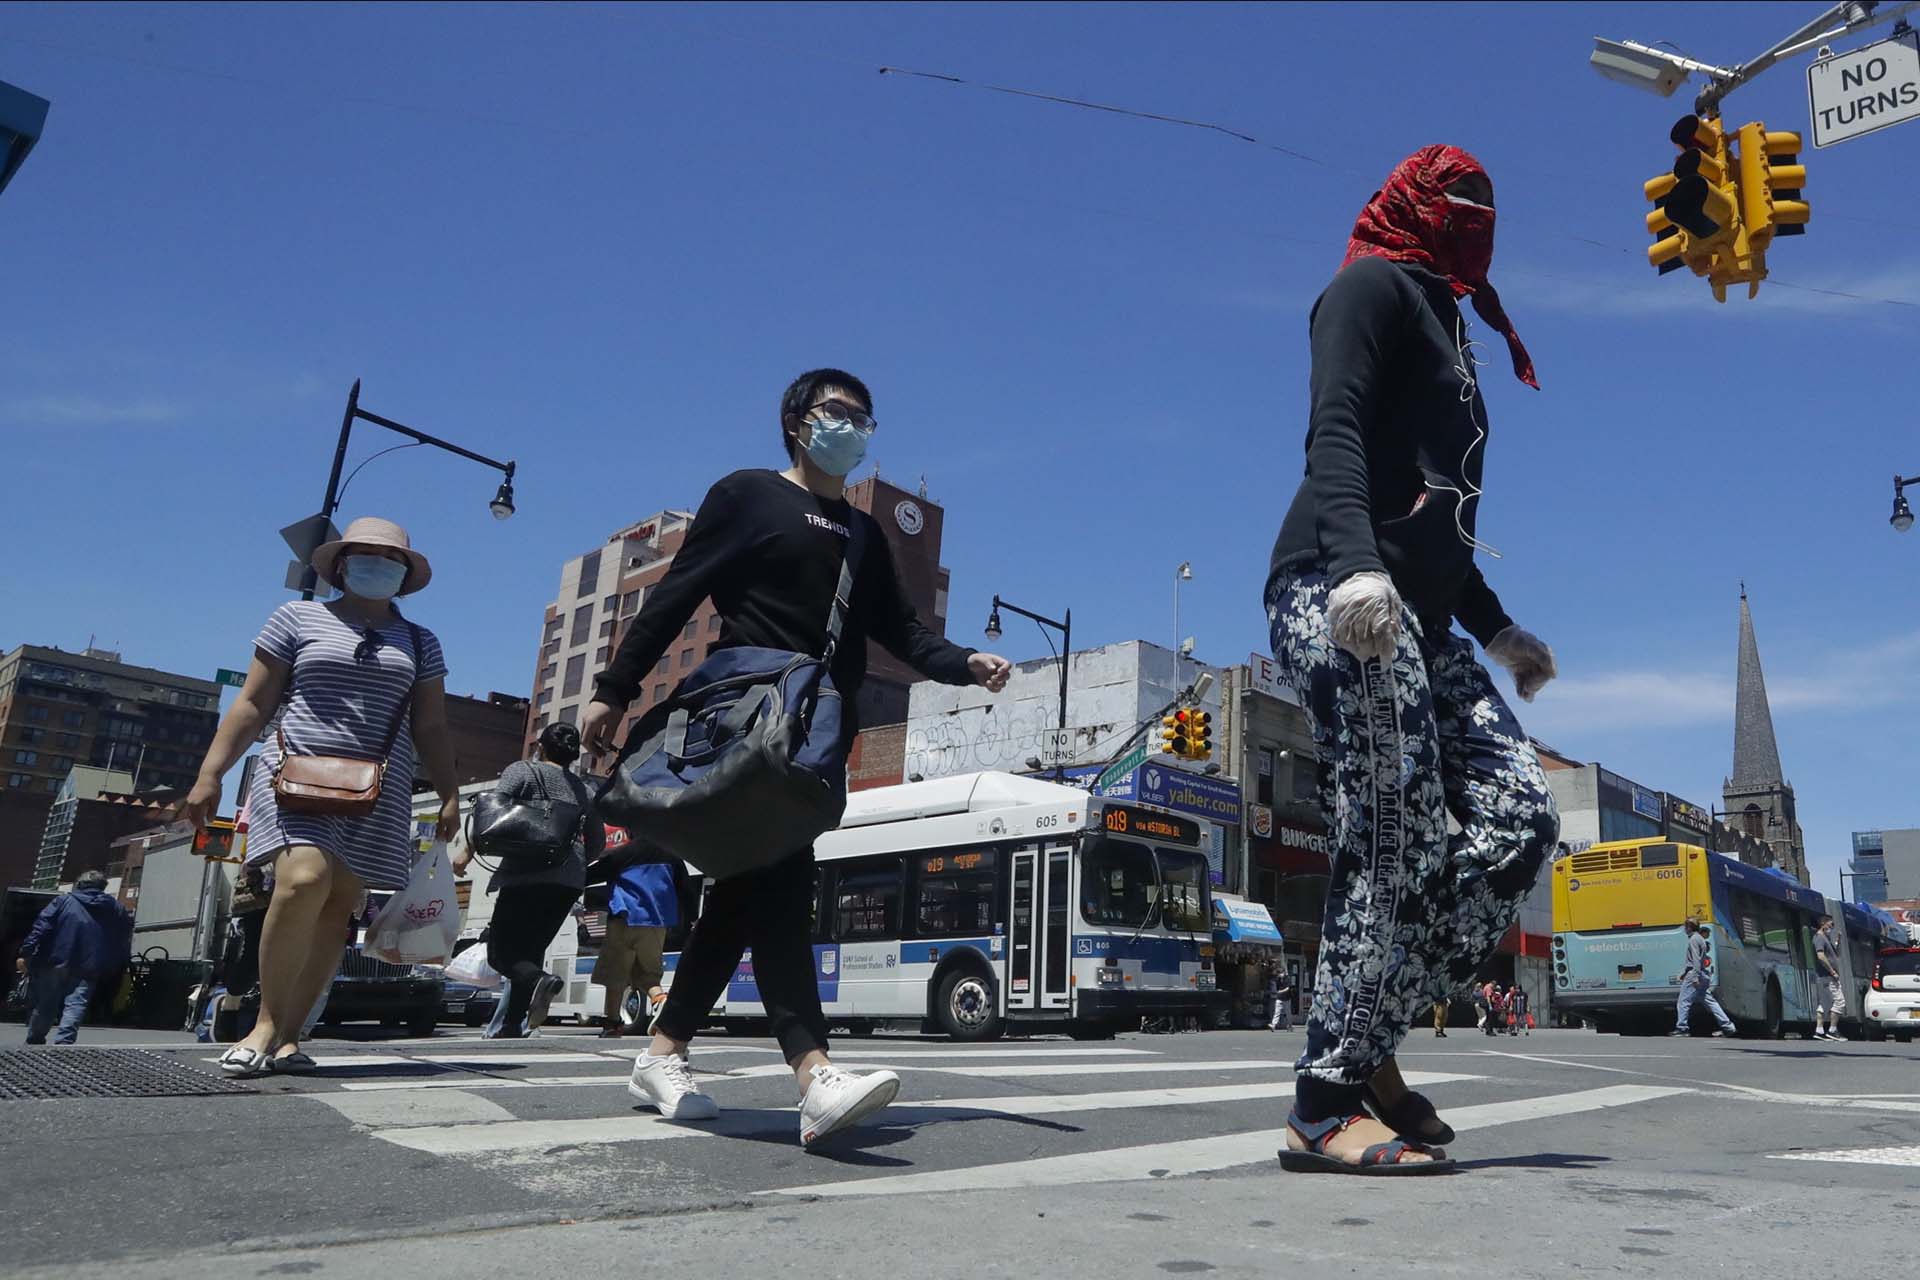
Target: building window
<point x="1263" y="785"/>
<point x="37" y="714"/>
<point x="18" y="779"/>
<point x="686" y="659"/>
<point x="589" y="575"/>
<point x="546" y="696"/>
<point x="659" y="693"/>
<point x="26" y="757"/>
<point x="576" y="672"/>
<point x="552" y="649"/>
<point x="629" y="602"/>
<point x="664" y="665"/>
<point x="72" y="740"/>
<point x="692" y="629"/>
<point x="548" y="672"/>
<point x="73" y="719"/>
<point x="606" y="628"/>
<point x="31" y="735"/>
<point x="601" y="654"/>
<point x="609" y="604"/>
<point x="63" y="763"/>
<point x="1306" y="778"/>
<point x="53" y="784"/>
<point x="713" y="625"/>
<point x="582" y="625"/>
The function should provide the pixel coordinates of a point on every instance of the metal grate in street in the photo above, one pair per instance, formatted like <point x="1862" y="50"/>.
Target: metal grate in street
<point x="73" y="1071"/>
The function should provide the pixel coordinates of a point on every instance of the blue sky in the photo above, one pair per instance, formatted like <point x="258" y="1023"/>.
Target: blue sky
<point x="600" y="240"/>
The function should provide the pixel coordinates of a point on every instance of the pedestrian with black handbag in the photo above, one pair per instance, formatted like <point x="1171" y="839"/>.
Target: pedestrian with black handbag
<point x="351" y="688"/>
<point x="539" y="821"/>
<point x="801" y="580"/>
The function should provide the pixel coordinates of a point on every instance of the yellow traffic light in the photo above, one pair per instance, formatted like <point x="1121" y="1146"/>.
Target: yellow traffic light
<point x="1199" y="734"/>
<point x="1668" y="240"/>
<point x="1702" y="202"/>
<point x="1770" y="181"/>
<point x="1173" y="733"/>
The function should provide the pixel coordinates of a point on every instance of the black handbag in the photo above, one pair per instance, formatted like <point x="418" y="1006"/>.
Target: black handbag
<point x="524" y="834"/>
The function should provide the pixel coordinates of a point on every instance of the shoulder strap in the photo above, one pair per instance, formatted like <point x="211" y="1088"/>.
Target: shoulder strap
<point x="406" y="699"/>
<point x="843" y="593"/>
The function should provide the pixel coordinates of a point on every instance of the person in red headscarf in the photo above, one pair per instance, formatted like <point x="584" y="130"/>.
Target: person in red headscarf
<point x="1373" y="565"/>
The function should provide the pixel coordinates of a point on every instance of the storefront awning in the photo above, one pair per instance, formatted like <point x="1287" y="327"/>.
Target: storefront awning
<point x="1238" y="920"/>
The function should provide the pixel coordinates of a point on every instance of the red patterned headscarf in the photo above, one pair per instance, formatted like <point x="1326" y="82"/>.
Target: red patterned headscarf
<point x="1412" y="219"/>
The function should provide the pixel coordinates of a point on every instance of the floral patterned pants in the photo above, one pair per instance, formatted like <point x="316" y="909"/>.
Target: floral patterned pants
<point x="1411" y="912"/>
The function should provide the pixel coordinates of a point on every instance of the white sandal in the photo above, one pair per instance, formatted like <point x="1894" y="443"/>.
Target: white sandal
<point x="242" y="1063"/>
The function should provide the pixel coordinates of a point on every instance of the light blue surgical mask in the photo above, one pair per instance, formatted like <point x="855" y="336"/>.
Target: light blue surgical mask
<point x="374" y="577"/>
<point x="837" y="446"/>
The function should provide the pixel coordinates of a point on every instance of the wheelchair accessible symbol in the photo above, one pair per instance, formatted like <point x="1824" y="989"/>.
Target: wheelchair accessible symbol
<point x="1083" y="947"/>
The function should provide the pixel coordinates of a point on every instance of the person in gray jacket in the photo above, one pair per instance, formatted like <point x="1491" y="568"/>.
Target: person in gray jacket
<point x="534" y="903"/>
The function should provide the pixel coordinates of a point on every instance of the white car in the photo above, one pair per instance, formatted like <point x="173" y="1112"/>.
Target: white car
<point x="1893" y="997"/>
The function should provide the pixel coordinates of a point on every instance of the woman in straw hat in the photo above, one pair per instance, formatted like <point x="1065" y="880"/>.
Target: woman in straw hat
<point x="347" y="677"/>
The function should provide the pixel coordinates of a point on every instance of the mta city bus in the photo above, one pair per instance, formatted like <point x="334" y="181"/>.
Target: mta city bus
<point x="989" y="900"/>
<point x="1619" y="947"/>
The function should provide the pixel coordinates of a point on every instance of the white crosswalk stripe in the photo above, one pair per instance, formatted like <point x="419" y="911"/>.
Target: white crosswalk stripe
<point x="1199" y="1155"/>
<point x="1859" y="1155"/>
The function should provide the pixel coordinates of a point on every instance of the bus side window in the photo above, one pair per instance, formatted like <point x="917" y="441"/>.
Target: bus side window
<point x="867" y="897"/>
<point x="956" y="894"/>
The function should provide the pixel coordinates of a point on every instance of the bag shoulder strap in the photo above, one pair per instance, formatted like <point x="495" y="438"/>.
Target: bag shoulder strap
<point x="843" y="593"/>
<point x="406" y="699"/>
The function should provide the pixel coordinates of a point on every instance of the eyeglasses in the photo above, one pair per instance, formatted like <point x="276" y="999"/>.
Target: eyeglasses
<point x="841" y="409"/>
<point x="369" y="647"/>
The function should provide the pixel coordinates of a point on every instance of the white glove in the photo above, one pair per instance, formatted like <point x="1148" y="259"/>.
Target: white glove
<point x="1363" y="615"/>
<point x="1524" y="656"/>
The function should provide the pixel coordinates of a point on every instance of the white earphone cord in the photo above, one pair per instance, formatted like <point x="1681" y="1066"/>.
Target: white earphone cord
<point x="1464" y="366"/>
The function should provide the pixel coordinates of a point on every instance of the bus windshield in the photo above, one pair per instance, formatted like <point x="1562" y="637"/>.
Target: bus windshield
<point x="1117" y="884"/>
<point x="1185" y="877"/>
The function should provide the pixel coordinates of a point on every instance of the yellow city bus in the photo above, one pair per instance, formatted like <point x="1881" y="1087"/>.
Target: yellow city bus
<point x="1619" y="946"/>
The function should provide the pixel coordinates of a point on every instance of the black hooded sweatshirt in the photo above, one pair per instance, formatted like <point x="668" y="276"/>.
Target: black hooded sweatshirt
<point x="1395" y="442"/>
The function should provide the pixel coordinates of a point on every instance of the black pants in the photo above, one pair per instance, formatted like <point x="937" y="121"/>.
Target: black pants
<point x="772" y="912"/>
<point x="524" y="923"/>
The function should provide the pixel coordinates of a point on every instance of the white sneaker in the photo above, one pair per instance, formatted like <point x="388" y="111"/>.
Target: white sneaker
<point x="839" y="1100"/>
<point x="667" y="1083"/>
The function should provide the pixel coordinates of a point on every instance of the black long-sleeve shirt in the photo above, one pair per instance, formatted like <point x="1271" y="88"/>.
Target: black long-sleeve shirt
<point x="1392" y="448"/>
<point x="769" y="553"/>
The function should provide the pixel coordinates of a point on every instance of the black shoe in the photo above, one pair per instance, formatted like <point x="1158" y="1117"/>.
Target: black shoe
<point x="611" y="1033"/>
<point x="1439" y="1035"/>
<point x="1678" y="1032"/>
<point x="542" y="1001"/>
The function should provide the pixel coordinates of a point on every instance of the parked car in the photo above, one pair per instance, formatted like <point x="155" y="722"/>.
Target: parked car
<point x="1893" y="997"/>
<point x="394" y="995"/>
<point x="467" y="1005"/>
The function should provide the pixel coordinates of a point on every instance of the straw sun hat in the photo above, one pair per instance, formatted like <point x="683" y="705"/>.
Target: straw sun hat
<point x="372" y="531"/>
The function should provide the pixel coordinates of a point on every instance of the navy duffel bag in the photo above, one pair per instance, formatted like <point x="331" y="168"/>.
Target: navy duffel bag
<point x="746" y="763"/>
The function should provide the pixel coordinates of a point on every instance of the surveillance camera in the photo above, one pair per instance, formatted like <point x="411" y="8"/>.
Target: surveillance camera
<point x="1634" y="64"/>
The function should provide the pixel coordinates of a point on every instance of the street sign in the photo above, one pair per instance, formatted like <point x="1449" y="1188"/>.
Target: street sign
<point x="1120" y="768"/>
<point x="1864" y="90"/>
<point x="1056" y="748"/>
<point x="303" y="536"/>
<point x="231" y="679"/>
<point x="297" y="576"/>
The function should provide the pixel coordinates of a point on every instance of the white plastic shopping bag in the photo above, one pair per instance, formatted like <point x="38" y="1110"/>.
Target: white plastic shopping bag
<point x="471" y="967"/>
<point x="419" y="924"/>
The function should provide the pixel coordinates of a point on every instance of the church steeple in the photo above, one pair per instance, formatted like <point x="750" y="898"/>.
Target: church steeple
<point x="1756" y="754"/>
<point x="1757" y="795"/>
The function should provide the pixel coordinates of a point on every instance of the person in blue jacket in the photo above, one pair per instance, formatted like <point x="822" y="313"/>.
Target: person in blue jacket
<point x="79" y="939"/>
<point x="644" y="904"/>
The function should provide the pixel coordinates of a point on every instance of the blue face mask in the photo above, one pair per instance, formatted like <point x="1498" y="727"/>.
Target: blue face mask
<point x="837" y="446"/>
<point x="374" y="577"/>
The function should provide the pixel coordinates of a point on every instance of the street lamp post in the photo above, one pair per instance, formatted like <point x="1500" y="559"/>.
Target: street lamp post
<point x="1065" y="628"/>
<point x="1902" y="517"/>
<point x="1183" y="574"/>
<point x="501" y="506"/>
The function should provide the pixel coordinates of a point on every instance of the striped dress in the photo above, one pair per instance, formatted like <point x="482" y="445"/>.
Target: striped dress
<point x="337" y="704"/>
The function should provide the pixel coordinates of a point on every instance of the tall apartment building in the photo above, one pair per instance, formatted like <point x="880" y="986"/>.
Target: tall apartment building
<point x="601" y="591"/>
<point x="61" y="710"/>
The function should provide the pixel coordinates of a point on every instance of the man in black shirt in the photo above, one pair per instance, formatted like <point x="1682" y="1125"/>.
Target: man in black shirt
<point x="767" y="547"/>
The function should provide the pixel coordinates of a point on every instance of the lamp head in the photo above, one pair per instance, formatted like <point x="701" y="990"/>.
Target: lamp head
<point x="502" y="504"/>
<point x="1637" y="66"/>
<point x="1186" y="571"/>
<point x="993" y="624"/>
<point x="1902" y="518"/>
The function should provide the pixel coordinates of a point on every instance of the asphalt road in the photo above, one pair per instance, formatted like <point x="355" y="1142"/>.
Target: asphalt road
<point x="1145" y="1155"/>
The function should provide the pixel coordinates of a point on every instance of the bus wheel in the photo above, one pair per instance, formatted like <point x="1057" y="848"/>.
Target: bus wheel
<point x="1774" y="1028"/>
<point x="965" y="1007"/>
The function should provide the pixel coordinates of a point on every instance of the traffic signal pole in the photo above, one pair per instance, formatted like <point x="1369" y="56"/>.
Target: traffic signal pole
<point x="1841" y="20"/>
